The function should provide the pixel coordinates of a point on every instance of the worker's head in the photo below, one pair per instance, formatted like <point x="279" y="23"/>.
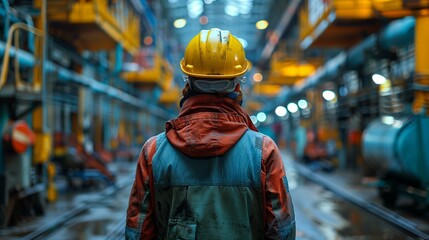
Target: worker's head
<point x="214" y="62"/>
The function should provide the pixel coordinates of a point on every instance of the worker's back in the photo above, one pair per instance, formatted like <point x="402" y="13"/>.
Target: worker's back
<point x="209" y="198"/>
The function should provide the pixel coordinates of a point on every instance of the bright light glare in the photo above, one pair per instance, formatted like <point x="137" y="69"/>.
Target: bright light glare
<point x="231" y="10"/>
<point x="195" y="8"/>
<point x="292" y="107"/>
<point x="328" y="95"/>
<point x="261" y="117"/>
<point x="302" y="104"/>
<point x="245" y="6"/>
<point x="261" y="24"/>
<point x="180" y="23"/>
<point x="257" y="77"/>
<point x="130" y="67"/>
<point x="389" y="120"/>
<point x="281" y="111"/>
<point x="378" y="79"/>
<point x="254" y="119"/>
<point x="243" y="42"/>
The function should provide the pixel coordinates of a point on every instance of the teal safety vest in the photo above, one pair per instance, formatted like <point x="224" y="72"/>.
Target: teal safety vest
<point x="209" y="198"/>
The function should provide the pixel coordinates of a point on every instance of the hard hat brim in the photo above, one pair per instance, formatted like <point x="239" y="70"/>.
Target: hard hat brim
<point x="218" y="76"/>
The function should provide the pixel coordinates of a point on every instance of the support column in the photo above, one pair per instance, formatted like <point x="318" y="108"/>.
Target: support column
<point x="43" y="144"/>
<point x="421" y="98"/>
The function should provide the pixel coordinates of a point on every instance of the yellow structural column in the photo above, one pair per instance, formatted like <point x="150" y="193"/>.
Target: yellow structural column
<point x="42" y="148"/>
<point x="43" y="143"/>
<point x="421" y="98"/>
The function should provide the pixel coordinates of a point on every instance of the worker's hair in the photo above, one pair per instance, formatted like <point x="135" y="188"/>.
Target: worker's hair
<point x="186" y="91"/>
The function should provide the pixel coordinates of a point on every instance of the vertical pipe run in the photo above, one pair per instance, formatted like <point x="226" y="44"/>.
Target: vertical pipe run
<point x="6" y="18"/>
<point x="421" y="98"/>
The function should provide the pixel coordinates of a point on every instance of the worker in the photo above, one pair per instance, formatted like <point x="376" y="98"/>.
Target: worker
<point x="211" y="174"/>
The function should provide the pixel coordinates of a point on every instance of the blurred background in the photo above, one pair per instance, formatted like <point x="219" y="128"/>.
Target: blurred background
<point x="340" y="85"/>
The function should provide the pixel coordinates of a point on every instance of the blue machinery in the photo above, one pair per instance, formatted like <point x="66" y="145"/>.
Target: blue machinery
<point x="397" y="148"/>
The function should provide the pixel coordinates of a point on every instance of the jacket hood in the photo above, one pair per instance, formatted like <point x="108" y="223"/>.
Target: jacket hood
<point x="208" y="125"/>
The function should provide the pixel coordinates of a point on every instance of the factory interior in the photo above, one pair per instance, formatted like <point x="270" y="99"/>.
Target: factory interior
<point x="341" y="86"/>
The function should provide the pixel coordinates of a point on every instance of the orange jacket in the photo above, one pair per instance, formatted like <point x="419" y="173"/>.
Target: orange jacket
<point x="209" y="126"/>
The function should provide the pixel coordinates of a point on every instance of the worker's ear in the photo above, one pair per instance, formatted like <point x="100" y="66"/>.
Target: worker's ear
<point x="237" y="88"/>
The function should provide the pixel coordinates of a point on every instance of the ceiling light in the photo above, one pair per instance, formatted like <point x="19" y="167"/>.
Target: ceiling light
<point x="378" y="79"/>
<point x="302" y="104"/>
<point x="281" y="111"/>
<point x="257" y="77"/>
<point x="180" y="23"/>
<point x="328" y="95"/>
<point x="261" y="24"/>
<point x="261" y="116"/>
<point x="243" y="42"/>
<point x="209" y="1"/>
<point x="292" y="107"/>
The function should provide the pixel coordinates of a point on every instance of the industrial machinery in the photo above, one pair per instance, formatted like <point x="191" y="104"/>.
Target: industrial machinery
<point x="397" y="149"/>
<point x="397" y="145"/>
<point x="394" y="143"/>
<point x="65" y="111"/>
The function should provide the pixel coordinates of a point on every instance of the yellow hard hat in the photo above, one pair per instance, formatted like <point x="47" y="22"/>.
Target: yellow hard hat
<point x="214" y="54"/>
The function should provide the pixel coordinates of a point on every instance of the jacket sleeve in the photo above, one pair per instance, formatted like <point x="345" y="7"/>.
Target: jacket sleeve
<point x="279" y="214"/>
<point x="140" y="223"/>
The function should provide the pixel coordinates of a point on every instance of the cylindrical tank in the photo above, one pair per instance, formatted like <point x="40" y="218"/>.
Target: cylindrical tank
<point x="393" y="145"/>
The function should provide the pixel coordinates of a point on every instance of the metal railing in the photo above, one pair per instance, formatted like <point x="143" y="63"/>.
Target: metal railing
<point x="13" y="35"/>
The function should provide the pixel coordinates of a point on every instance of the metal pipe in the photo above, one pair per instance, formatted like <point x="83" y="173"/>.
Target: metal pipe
<point x="118" y="59"/>
<point x="6" y="18"/>
<point x="29" y="22"/>
<point x="8" y="48"/>
<point x="26" y="59"/>
<point x="396" y="34"/>
<point x="97" y="86"/>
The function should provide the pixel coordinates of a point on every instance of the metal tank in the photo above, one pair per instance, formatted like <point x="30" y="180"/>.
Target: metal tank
<point x="399" y="149"/>
<point x="395" y="145"/>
